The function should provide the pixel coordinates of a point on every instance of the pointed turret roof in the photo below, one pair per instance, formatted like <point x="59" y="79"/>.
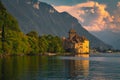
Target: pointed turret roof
<point x="72" y="31"/>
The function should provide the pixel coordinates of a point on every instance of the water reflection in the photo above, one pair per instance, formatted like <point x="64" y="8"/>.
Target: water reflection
<point x="43" y="68"/>
<point x="60" y="68"/>
<point x="78" y="68"/>
<point x="18" y="68"/>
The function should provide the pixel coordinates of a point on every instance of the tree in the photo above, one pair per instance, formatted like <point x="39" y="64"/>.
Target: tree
<point x="32" y="34"/>
<point x="43" y="44"/>
<point x="33" y="41"/>
<point x="16" y="43"/>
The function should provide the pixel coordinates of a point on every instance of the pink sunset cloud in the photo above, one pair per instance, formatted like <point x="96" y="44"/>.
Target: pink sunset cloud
<point x="93" y="16"/>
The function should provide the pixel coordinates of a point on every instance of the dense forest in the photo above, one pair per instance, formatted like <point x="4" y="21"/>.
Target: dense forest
<point x="17" y="43"/>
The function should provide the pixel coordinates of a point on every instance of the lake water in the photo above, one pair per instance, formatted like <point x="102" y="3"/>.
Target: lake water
<point x="80" y="67"/>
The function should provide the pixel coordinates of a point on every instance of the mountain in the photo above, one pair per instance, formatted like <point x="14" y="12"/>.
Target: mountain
<point x="43" y="18"/>
<point x="109" y="37"/>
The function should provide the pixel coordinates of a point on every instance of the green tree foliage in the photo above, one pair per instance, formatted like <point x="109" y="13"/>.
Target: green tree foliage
<point x="33" y="34"/>
<point x="33" y="41"/>
<point x="49" y="43"/>
<point x="0" y="47"/>
<point x="43" y="44"/>
<point x="17" y="43"/>
<point x="55" y="44"/>
<point x="15" y="40"/>
<point x="7" y="20"/>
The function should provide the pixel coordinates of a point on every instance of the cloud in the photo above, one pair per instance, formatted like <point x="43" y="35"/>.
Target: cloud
<point x="92" y="15"/>
<point x="118" y="5"/>
<point x="116" y="19"/>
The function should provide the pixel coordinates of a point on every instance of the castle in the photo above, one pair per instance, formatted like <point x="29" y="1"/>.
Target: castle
<point x="75" y="43"/>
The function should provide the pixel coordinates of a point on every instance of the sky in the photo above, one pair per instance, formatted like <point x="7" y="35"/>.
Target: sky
<point x="94" y="15"/>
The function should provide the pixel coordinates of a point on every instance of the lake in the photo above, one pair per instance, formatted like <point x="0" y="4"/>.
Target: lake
<point x="80" y="67"/>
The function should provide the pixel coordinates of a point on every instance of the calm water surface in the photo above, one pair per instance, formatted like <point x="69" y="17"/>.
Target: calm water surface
<point x="80" y="67"/>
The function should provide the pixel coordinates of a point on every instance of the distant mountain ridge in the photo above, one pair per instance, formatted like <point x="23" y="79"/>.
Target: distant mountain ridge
<point x="46" y="20"/>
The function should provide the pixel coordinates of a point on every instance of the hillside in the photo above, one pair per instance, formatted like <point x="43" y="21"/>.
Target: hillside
<point x="12" y="33"/>
<point x="44" y="19"/>
<point x="14" y="42"/>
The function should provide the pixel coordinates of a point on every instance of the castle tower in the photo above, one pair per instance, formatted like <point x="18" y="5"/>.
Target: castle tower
<point x="72" y="33"/>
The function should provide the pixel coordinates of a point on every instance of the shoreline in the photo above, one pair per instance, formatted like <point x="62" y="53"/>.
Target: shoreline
<point x="9" y="55"/>
<point x="47" y="54"/>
